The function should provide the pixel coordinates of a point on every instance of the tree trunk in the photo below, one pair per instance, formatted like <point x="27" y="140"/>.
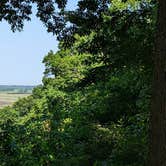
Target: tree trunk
<point x="158" y="114"/>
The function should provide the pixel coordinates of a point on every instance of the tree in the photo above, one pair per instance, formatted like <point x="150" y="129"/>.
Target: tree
<point x="158" y="115"/>
<point x="16" y="12"/>
<point x="92" y="107"/>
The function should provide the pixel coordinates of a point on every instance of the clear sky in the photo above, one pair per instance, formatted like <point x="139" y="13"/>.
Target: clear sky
<point x="21" y="53"/>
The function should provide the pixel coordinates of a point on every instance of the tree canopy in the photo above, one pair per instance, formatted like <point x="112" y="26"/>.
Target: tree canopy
<point x="93" y="106"/>
<point x="15" y="12"/>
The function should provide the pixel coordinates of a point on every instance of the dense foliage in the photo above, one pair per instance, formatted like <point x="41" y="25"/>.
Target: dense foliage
<point x="93" y="106"/>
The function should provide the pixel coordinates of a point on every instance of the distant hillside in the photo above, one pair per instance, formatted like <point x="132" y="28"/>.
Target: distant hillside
<point x="16" y="88"/>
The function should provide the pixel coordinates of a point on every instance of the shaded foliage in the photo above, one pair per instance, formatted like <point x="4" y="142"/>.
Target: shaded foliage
<point x="93" y="106"/>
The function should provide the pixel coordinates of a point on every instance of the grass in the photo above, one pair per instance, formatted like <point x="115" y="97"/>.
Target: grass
<point x="7" y="99"/>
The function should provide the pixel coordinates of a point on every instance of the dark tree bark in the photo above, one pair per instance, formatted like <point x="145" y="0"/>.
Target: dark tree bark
<point x="158" y="114"/>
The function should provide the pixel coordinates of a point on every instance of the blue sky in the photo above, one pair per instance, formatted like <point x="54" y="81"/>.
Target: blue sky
<point x="21" y="53"/>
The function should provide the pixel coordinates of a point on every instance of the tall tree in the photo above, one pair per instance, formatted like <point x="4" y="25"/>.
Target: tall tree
<point x="158" y="115"/>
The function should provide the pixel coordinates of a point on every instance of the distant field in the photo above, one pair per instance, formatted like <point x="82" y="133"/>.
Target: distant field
<point x="11" y="93"/>
<point x="8" y="99"/>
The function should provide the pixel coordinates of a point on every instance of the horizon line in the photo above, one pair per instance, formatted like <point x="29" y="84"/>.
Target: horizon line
<point x="19" y="85"/>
